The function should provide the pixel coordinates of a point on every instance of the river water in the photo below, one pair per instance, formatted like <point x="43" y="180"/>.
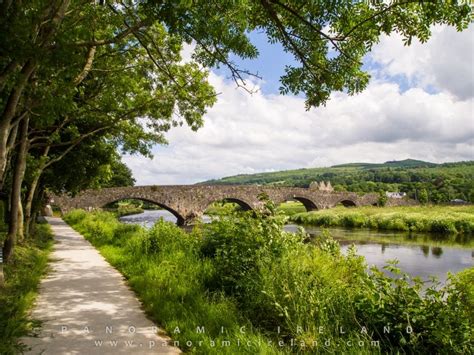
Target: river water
<point x="420" y="255"/>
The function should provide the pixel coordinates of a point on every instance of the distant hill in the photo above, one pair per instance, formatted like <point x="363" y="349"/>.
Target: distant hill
<point x="441" y="182"/>
<point x="407" y="163"/>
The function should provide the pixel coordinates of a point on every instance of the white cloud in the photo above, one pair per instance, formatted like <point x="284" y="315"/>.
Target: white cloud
<point x="251" y="133"/>
<point x="446" y="62"/>
<point x="246" y="133"/>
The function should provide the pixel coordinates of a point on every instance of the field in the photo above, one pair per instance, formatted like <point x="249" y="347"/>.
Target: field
<point x="433" y="219"/>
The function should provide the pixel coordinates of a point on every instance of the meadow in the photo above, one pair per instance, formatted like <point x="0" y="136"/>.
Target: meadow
<point x="432" y="219"/>
<point x="257" y="289"/>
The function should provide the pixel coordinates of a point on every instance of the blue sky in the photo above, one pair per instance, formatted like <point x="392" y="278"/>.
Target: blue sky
<point x="270" y="65"/>
<point x="419" y="105"/>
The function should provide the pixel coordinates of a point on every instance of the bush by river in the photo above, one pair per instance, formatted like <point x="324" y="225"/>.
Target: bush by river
<point x="254" y="288"/>
<point x="435" y="219"/>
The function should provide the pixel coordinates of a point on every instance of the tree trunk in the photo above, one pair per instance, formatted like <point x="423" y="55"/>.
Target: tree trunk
<point x="30" y="223"/>
<point x="9" y="113"/>
<point x="55" y="12"/>
<point x="31" y="197"/>
<point x="29" y="201"/>
<point x="15" y="203"/>
<point x="4" y="134"/>
<point x="32" y="190"/>
<point x="10" y="144"/>
<point x="20" y="230"/>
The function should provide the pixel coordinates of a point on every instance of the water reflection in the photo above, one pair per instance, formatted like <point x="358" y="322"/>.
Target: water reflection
<point x="423" y="260"/>
<point x="148" y="218"/>
<point x="426" y="250"/>
<point x="418" y="258"/>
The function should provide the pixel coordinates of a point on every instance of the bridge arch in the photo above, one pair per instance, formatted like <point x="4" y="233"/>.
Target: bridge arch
<point x="180" y="220"/>
<point x="308" y="204"/>
<point x="246" y="206"/>
<point x="347" y="203"/>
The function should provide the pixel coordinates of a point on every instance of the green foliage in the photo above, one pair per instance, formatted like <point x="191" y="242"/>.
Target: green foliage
<point x="436" y="219"/>
<point x="22" y="276"/>
<point x="76" y="216"/>
<point x="421" y="319"/>
<point x="118" y="175"/>
<point x="128" y="210"/>
<point x="243" y="270"/>
<point x="382" y="200"/>
<point x="291" y="208"/>
<point x="222" y="208"/>
<point x="237" y="244"/>
<point x="423" y="196"/>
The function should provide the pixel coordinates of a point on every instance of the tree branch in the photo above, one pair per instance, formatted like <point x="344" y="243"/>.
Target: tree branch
<point x="87" y="66"/>
<point x="116" y="38"/>
<point x="73" y="144"/>
<point x="381" y="12"/>
<point x="288" y="39"/>
<point x="314" y="28"/>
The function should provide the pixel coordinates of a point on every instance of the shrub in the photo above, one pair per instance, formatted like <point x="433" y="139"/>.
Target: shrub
<point x="421" y="317"/>
<point x="445" y="226"/>
<point x="75" y="216"/>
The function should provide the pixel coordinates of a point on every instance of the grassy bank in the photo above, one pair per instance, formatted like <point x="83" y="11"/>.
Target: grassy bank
<point x="22" y="277"/>
<point x="222" y="208"/>
<point x="434" y="219"/>
<point x="258" y="290"/>
<point x="128" y="210"/>
<point x="291" y="208"/>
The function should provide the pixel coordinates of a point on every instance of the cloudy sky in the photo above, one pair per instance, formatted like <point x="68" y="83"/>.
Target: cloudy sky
<point x="419" y="105"/>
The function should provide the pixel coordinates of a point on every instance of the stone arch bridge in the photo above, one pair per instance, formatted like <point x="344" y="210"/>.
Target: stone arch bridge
<point x="188" y="202"/>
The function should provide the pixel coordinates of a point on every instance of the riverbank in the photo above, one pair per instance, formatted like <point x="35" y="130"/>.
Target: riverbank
<point x="246" y="273"/>
<point x="430" y="219"/>
<point x="22" y="278"/>
<point x="128" y="210"/>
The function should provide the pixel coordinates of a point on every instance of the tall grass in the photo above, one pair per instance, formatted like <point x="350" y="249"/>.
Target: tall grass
<point x="22" y="277"/>
<point x="435" y="219"/>
<point x="291" y="208"/>
<point x="265" y="291"/>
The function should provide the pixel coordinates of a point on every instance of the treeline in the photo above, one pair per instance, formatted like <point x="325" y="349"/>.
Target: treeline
<point x="426" y="182"/>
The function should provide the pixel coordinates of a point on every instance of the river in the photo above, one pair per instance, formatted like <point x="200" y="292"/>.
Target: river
<point x="421" y="255"/>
